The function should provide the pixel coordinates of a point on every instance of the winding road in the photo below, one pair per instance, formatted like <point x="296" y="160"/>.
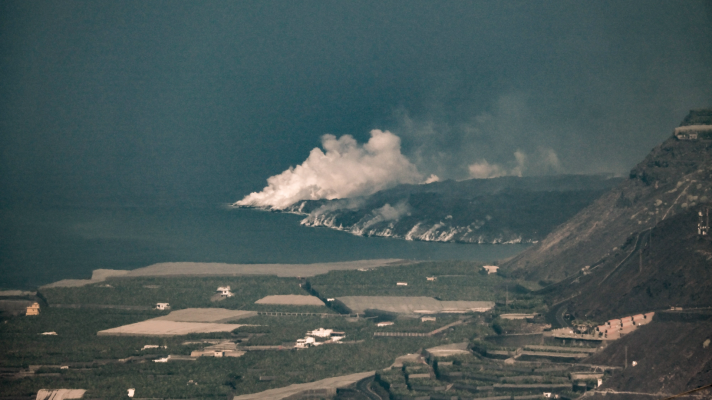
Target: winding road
<point x="364" y="386"/>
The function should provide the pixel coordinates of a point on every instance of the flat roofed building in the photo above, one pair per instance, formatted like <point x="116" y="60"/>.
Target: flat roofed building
<point x="693" y="132"/>
<point x="321" y="332"/>
<point x="491" y="269"/>
<point x="34" y="309"/>
<point x="163" y="306"/>
<point x="224" y="291"/>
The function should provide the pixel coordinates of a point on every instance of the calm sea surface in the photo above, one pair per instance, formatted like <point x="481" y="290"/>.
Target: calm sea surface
<point x="39" y="246"/>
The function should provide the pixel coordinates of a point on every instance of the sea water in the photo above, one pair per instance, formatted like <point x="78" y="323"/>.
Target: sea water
<point x="43" y="245"/>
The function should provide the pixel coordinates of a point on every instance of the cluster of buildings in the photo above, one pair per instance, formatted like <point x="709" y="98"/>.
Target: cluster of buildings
<point x="310" y="340"/>
<point x="693" y="132"/>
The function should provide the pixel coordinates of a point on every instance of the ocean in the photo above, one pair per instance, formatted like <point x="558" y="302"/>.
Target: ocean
<point x="43" y="245"/>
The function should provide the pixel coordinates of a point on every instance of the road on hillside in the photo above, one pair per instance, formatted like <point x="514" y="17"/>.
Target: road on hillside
<point x="556" y="316"/>
<point x="364" y="386"/>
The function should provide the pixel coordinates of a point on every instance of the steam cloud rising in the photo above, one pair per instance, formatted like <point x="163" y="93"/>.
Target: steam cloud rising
<point x="545" y="160"/>
<point x="344" y="169"/>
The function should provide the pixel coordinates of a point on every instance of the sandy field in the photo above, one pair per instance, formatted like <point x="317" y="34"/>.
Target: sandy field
<point x="328" y="383"/>
<point x="215" y="315"/>
<point x="449" y="350"/>
<point x="157" y="327"/>
<point x="291" y="300"/>
<point x="60" y="394"/>
<point x="16" y="293"/>
<point x="412" y="305"/>
<point x="220" y="269"/>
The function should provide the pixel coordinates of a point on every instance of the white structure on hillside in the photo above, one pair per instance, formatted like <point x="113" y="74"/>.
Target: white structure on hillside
<point x="224" y="291"/>
<point x="309" y="341"/>
<point x="693" y="132"/>
<point x="491" y="269"/>
<point x="384" y="323"/>
<point x="131" y="392"/>
<point x="427" y="318"/>
<point x="34" y="309"/>
<point x="402" y="284"/>
<point x="431" y="278"/>
<point x="163" y="306"/>
<point x="306" y="342"/>
<point x="321" y="332"/>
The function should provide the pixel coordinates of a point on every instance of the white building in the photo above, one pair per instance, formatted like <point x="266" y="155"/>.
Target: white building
<point x="402" y="284"/>
<point x="431" y="278"/>
<point x="491" y="269"/>
<point x="321" y="332"/>
<point x="384" y="323"/>
<point x="163" y="306"/>
<point x="427" y="318"/>
<point x="131" y="392"/>
<point x="306" y="342"/>
<point x="224" y="291"/>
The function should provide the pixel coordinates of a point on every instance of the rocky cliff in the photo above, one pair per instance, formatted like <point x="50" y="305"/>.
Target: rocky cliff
<point x="674" y="177"/>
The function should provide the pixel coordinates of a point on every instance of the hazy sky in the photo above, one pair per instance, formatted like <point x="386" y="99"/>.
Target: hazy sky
<point x="151" y="101"/>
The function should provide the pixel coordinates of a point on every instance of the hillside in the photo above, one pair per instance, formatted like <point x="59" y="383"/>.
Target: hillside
<point x="669" y="265"/>
<point x="500" y="210"/>
<point x="675" y="176"/>
<point x="672" y="356"/>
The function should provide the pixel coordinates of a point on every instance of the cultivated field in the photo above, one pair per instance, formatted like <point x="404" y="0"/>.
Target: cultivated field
<point x="221" y="269"/>
<point x="329" y="384"/>
<point x="158" y="327"/>
<point x="291" y="300"/>
<point x="411" y="305"/>
<point x="214" y="315"/>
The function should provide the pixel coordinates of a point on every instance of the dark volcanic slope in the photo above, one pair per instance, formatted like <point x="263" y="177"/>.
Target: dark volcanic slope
<point x="500" y="210"/>
<point x="673" y="177"/>
<point x="668" y="266"/>
<point x="672" y="358"/>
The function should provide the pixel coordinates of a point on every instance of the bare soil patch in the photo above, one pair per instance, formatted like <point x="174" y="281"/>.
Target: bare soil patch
<point x="215" y="315"/>
<point x="411" y="305"/>
<point x="157" y="327"/>
<point x="291" y="300"/>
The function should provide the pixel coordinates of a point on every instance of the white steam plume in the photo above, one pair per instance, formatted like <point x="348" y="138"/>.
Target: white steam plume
<point x="344" y="170"/>
<point x="545" y="162"/>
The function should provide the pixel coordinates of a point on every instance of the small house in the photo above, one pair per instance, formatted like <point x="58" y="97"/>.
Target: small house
<point x="321" y="332"/>
<point x="491" y="269"/>
<point x="305" y="343"/>
<point x="384" y="323"/>
<point x="163" y="306"/>
<point x="431" y="278"/>
<point x="427" y="318"/>
<point x="224" y="291"/>
<point x="402" y="284"/>
<point x="34" y="309"/>
<point x="132" y="391"/>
